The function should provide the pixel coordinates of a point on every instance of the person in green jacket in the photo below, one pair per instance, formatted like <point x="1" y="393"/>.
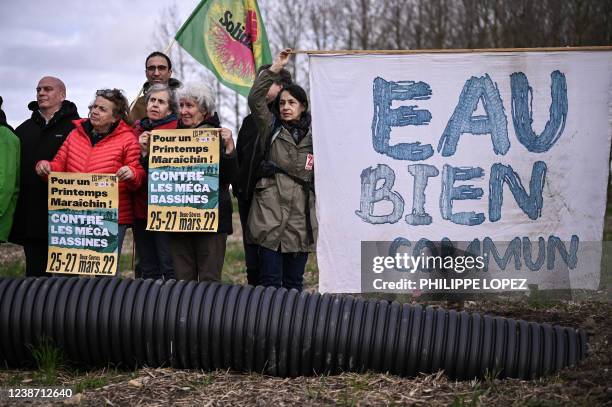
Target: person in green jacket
<point x="9" y="175"/>
<point x="282" y="219"/>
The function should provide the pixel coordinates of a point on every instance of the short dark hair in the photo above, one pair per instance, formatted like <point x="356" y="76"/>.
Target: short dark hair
<point x="285" y="77"/>
<point x="159" y="54"/>
<point x="121" y="107"/>
<point x="1" y="101"/>
<point x="297" y="92"/>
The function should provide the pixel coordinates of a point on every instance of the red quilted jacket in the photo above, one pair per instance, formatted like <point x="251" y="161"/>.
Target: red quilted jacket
<point x="140" y="197"/>
<point x="108" y="155"/>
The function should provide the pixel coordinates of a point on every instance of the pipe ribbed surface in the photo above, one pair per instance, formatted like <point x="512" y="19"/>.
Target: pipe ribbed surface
<point x="186" y="324"/>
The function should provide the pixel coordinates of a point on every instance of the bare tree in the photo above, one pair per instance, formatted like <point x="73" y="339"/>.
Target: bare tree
<point x="397" y="16"/>
<point x="322" y="16"/>
<point x="168" y="24"/>
<point x="400" y="24"/>
<point x="287" y="22"/>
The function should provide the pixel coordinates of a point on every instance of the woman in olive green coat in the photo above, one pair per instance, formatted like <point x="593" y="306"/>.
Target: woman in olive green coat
<point x="282" y="218"/>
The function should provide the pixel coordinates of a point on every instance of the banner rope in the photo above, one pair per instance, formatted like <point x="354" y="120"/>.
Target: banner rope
<point x="448" y="51"/>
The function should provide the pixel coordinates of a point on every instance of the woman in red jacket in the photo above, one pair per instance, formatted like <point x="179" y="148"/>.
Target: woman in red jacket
<point x="153" y="248"/>
<point x="104" y="143"/>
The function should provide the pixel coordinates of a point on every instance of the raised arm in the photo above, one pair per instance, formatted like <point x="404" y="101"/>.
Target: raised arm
<point x="257" y="97"/>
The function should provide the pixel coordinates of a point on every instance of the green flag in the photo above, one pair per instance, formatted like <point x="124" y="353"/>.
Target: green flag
<point x="228" y="37"/>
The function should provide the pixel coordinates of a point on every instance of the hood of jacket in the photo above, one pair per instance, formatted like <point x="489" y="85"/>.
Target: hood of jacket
<point x="147" y="124"/>
<point x="122" y="127"/>
<point x="67" y="110"/>
<point x="3" y="121"/>
<point x="172" y="83"/>
<point x="211" y="121"/>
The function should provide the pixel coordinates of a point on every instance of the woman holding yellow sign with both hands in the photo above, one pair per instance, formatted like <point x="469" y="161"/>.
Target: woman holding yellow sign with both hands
<point x="152" y="247"/>
<point x="103" y="143"/>
<point x="199" y="255"/>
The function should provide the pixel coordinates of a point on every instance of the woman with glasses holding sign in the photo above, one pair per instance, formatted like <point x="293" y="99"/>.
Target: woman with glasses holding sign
<point x="103" y="143"/>
<point x="200" y="255"/>
<point x="153" y="248"/>
<point x="282" y="218"/>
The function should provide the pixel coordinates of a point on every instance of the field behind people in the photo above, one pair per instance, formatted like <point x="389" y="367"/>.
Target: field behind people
<point x="588" y="384"/>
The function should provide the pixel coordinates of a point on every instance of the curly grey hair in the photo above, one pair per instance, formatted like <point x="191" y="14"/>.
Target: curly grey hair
<point x="200" y="93"/>
<point x="162" y="87"/>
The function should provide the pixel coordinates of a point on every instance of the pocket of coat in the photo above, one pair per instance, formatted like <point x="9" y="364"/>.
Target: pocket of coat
<point x="264" y="183"/>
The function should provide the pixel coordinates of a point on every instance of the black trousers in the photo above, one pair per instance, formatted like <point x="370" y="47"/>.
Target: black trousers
<point x="36" y="252"/>
<point x="154" y="254"/>
<point x="251" y="251"/>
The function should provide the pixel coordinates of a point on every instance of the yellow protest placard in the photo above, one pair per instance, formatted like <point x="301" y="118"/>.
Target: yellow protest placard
<point x="83" y="223"/>
<point x="183" y="191"/>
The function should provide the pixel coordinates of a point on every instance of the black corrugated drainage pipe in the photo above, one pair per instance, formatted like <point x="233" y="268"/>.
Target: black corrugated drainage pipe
<point x="186" y="324"/>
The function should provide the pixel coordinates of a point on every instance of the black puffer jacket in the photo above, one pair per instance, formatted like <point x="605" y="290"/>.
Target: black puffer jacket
<point x="39" y="141"/>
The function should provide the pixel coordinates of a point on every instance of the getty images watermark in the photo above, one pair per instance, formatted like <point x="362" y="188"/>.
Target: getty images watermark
<point x="466" y="267"/>
<point x="437" y="274"/>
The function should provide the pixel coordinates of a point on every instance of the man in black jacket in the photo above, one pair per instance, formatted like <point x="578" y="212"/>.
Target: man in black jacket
<point x="41" y="136"/>
<point x="249" y="158"/>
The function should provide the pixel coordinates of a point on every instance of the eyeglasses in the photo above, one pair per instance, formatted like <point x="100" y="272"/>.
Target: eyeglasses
<point x="160" y="68"/>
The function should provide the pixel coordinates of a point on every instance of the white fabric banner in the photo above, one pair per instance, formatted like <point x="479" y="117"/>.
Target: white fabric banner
<point x="497" y="147"/>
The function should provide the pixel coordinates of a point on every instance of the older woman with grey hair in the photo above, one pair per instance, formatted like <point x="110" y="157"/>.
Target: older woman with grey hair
<point x="153" y="248"/>
<point x="200" y="255"/>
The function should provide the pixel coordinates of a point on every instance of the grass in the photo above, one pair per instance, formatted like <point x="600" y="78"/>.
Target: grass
<point x="208" y="380"/>
<point x="462" y="401"/>
<point x="91" y="381"/>
<point x="234" y="270"/>
<point x="49" y="359"/>
<point x="125" y="262"/>
<point x="13" y="269"/>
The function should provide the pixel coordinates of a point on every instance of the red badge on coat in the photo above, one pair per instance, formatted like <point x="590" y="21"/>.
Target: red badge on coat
<point x="309" y="162"/>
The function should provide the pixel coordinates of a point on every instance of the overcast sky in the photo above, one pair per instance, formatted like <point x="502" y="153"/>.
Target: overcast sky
<point x="89" y="45"/>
